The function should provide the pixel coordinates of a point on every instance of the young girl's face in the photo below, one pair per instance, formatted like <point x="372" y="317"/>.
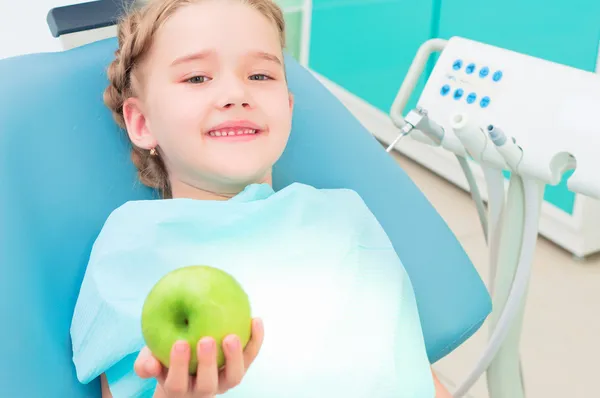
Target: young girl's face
<point x="213" y="97"/>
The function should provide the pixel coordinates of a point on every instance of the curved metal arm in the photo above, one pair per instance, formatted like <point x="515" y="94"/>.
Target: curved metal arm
<point x="412" y="77"/>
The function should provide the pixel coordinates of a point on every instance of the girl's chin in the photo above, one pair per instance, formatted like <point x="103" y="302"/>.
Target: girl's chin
<point x="241" y="177"/>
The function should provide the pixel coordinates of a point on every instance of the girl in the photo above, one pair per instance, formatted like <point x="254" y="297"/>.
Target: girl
<point x="200" y="88"/>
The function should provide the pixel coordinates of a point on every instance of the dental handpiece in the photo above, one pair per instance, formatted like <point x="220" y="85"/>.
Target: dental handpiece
<point x="419" y="119"/>
<point x="403" y="133"/>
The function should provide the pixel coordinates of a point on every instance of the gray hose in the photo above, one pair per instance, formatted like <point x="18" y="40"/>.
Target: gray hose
<point x="483" y="219"/>
<point x="475" y="194"/>
<point x="519" y="286"/>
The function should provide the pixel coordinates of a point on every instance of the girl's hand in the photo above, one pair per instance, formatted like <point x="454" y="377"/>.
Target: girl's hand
<point x="209" y="381"/>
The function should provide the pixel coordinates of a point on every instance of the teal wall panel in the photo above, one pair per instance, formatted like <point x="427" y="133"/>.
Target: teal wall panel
<point x="293" y="32"/>
<point x="561" y="31"/>
<point x="367" y="46"/>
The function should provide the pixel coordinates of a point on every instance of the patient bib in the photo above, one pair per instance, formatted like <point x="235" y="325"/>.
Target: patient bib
<point x="338" y="308"/>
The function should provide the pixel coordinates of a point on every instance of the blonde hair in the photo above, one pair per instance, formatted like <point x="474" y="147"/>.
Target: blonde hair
<point x="136" y="31"/>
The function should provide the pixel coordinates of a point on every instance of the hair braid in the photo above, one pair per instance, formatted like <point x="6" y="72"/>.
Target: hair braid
<point x="134" y="37"/>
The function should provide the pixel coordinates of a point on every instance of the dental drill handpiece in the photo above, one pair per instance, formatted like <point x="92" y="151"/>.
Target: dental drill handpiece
<point x="403" y="133"/>
<point x="418" y="119"/>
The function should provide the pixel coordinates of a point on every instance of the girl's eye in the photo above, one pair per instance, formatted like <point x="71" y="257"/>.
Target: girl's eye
<point x="260" y="77"/>
<point x="197" y="79"/>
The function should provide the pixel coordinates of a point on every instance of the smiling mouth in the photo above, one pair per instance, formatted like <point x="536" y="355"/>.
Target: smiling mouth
<point x="230" y="132"/>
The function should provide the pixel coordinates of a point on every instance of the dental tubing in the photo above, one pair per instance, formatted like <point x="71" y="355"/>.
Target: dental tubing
<point x="494" y="180"/>
<point x="475" y="195"/>
<point x="527" y="195"/>
<point x="472" y="138"/>
<point x="532" y="205"/>
<point x="524" y="198"/>
<point x="465" y="131"/>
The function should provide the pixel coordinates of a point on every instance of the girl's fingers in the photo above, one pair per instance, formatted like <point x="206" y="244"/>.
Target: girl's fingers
<point x="234" y="370"/>
<point x="255" y="343"/>
<point x="207" y="380"/>
<point x="177" y="382"/>
<point x="146" y="366"/>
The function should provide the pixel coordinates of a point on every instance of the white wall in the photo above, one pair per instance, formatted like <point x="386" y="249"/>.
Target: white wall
<point x="23" y="26"/>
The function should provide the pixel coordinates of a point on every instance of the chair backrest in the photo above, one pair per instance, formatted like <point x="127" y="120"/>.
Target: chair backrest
<point x="64" y="166"/>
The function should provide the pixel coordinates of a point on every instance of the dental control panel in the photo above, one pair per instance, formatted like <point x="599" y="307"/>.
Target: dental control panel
<point x="515" y="111"/>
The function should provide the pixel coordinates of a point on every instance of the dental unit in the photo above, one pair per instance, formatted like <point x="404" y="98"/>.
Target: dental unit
<point x="505" y="112"/>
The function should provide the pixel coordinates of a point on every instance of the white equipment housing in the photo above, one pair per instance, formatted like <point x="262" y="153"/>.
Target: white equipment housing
<point x="552" y="110"/>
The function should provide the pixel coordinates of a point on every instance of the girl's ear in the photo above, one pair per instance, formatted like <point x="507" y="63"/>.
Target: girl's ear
<point x="137" y="124"/>
<point x="291" y="99"/>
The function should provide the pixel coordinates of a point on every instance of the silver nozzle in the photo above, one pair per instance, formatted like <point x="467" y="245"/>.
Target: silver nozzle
<point x="418" y="119"/>
<point x="403" y="133"/>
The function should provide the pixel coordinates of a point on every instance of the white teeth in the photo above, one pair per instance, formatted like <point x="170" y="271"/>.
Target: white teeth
<point x="223" y="133"/>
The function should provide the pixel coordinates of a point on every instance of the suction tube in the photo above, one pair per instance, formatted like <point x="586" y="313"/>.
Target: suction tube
<point x="475" y="195"/>
<point x="473" y="141"/>
<point x="496" y="198"/>
<point x="507" y="147"/>
<point x="505" y="373"/>
<point x="512" y="155"/>
<point x="532" y="196"/>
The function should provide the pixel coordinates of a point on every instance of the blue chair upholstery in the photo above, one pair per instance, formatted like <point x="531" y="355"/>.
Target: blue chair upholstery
<point x="64" y="166"/>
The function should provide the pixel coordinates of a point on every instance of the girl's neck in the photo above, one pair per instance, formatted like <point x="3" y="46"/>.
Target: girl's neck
<point x="181" y="189"/>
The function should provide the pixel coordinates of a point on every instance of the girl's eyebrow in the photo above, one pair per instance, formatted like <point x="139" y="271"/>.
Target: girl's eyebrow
<point x="211" y="53"/>
<point x="266" y="56"/>
<point x="193" y="57"/>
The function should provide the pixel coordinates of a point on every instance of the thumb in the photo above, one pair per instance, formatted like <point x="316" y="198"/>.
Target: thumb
<point x="146" y="366"/>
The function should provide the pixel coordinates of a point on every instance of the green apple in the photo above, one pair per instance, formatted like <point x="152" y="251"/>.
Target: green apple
<point x="193" y="302"/>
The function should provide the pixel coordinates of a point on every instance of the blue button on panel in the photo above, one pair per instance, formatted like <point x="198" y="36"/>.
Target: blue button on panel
<point x="457" y="64"/>
<point x="470" y="68"/>
<point x="445" y="89"/>
<point x="485" y="101"/>
<point x="471" y="98"/>
<point x="458" y="93"/>
<point x="497" y="76"/>
<point x="484" y="72"/>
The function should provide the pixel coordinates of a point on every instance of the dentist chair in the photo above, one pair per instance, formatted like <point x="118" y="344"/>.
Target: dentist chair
<point x="64" y="166"/>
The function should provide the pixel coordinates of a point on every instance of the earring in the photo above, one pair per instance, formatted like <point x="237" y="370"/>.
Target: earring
<point x="153" y="151"/>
